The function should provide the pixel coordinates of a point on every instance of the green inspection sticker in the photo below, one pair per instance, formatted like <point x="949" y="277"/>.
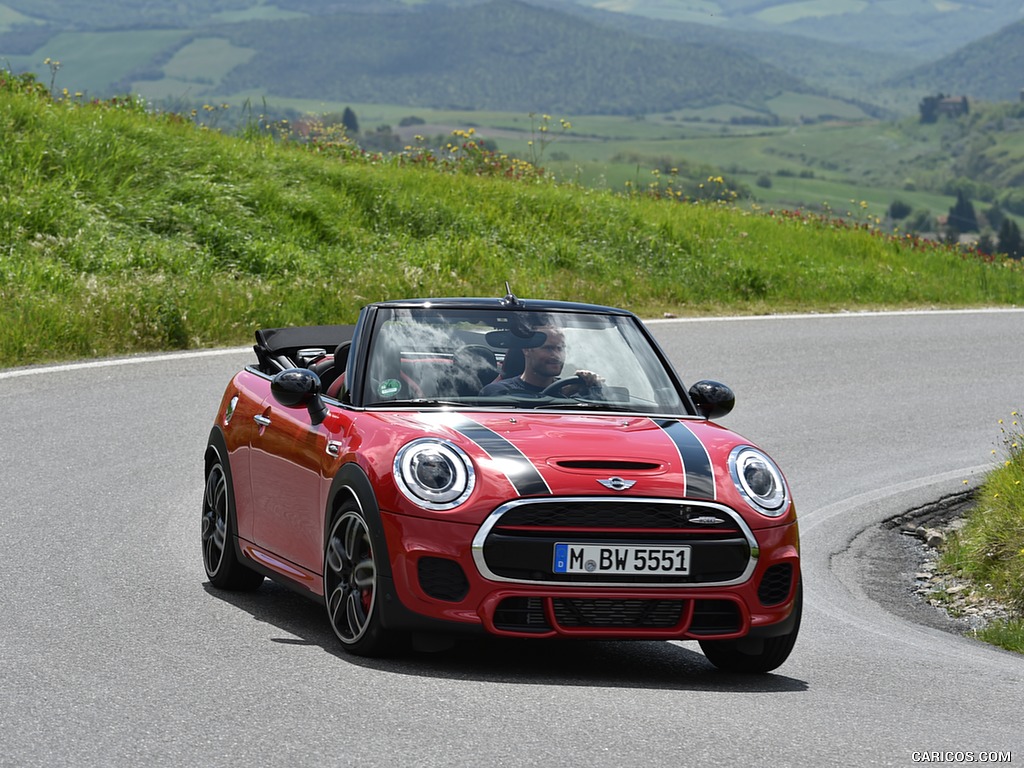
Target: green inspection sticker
<point x="389" y="388"/>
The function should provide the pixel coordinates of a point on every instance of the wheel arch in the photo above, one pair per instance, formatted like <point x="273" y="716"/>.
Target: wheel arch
<point x="351" y="483"/>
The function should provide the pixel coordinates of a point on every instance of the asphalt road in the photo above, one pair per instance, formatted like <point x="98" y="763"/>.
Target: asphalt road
<point x="114" y="651"/>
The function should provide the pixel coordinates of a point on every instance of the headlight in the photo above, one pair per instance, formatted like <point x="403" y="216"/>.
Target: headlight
<point x="434" y="474"/>
<point x="758" y="480"/>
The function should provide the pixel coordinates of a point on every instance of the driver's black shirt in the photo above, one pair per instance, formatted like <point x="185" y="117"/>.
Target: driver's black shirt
<point x="513" y="386"/>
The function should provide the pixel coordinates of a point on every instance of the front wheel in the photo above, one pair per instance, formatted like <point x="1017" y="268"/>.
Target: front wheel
<point x="350" y="586"/>
<point x="223" y="567"/>
<point x="755" y="655"/>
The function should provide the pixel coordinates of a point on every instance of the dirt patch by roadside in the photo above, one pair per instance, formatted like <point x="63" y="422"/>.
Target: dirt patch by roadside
<point x="903" y="575"/>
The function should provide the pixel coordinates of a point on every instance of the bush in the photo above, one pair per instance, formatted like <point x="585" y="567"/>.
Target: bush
<point x="899" y="210"/>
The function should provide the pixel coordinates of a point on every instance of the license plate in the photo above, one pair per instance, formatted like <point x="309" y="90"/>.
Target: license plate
<point x="621" y="558"/>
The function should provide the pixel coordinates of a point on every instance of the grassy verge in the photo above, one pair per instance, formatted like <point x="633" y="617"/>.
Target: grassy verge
<point x="989" y="549"/>
<point x="124" y="231"/>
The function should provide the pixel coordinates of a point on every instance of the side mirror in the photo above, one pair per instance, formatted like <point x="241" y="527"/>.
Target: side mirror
<point x="299" y="388"/>
<point x="712" y="398"/>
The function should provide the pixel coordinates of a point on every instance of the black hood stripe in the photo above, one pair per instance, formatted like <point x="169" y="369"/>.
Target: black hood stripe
<point x="520" y="471"/>
<point x="700" y="478"/>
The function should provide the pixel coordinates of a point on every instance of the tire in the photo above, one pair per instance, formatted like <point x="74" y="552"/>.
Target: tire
<point x="755" y="655"/>
<point x="223" y="567"/>
<point x="351" y="586"/>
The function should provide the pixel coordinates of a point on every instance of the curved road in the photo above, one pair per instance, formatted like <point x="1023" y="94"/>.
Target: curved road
<point x="114" y="652"/>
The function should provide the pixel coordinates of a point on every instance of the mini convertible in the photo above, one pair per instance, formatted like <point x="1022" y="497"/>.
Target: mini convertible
<point x="528" y="469"/>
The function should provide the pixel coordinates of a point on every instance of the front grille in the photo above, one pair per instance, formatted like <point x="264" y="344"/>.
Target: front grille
<point x="442" y="579"/>
<point x="640" y="514"/>
<point x="517" y="543"/>
<point x="775" y="584"/>
<point x="660" y="614"/>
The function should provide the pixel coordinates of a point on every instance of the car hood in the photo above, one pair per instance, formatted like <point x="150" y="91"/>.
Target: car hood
<point x="540" y="454"/>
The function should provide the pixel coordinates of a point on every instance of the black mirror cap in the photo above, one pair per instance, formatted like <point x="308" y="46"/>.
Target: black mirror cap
<point x="299" y="388"/>
<point x="712" y="398"/>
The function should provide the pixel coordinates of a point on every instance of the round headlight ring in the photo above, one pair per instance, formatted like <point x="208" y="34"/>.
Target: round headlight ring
<point x="434" y="474"/>
<point x="759" y="481"/>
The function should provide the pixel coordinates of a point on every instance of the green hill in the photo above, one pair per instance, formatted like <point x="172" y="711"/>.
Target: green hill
<point x="504" y="55"/>
<point x="126" y="231"/>
<point x="921" y="29"/>
<point x="990" y="69"/>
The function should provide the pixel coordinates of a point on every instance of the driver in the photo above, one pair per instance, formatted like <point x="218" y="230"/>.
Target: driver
<point x="543" y="367"/>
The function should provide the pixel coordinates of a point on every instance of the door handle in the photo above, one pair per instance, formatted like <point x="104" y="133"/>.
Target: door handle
<point x="262" y="420"/>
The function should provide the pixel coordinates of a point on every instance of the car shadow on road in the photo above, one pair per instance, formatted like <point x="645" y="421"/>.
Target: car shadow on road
<point x="597" y="663"/>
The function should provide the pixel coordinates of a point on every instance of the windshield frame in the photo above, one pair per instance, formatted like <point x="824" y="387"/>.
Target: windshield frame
<point x="484" y="324"/>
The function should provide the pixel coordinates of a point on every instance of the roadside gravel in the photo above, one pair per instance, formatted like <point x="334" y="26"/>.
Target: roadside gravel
<point x="912" y="543"/>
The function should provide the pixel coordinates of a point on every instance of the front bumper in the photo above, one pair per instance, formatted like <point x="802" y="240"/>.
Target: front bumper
<point x="441" y="580"/>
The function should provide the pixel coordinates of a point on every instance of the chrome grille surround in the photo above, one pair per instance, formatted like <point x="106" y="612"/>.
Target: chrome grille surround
<point x="667" y="507"/>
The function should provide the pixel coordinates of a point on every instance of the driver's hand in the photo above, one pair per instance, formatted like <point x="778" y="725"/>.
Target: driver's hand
<point x="589" y="379"/>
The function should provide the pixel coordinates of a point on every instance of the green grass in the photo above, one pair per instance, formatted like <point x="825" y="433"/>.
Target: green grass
<point x="989" y="550"/>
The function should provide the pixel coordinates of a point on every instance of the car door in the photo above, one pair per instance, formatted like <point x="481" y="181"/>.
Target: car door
<point x="288" y="458"/>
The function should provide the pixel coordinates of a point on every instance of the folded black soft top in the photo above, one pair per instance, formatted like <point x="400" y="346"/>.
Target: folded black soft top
<point x="277" y="348"/>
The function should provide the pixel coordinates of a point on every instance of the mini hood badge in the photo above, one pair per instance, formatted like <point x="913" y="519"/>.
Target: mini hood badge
<point x="617" y="484"/>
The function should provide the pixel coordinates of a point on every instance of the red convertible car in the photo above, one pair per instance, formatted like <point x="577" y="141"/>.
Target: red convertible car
<point x="530" y="469"/>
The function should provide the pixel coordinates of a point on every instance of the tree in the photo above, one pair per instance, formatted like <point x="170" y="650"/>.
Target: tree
<point x="962" y="217"/>
<point x="929" y="108"/>
<point x="996" y="216"/>
<point x="350" y="121"/>
<point x="899" y="210"/>
<point x="1010" y="241"/>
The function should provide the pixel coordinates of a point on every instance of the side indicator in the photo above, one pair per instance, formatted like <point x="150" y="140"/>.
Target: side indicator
<point x="230" y="410"/>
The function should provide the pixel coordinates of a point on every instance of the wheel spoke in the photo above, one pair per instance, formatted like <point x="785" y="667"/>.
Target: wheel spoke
<point x="335" y="557"/>
<point x="364" y="575"/>
<point x="355" y="614"/>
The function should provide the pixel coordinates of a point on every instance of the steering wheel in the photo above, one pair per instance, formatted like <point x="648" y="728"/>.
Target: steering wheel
<point x="555" y="389"/>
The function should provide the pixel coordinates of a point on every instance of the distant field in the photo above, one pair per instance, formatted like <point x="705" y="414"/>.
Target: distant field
<point x="790" y="12"/>
<point x="835" y="166"/>
<point x="700" y="11"/>
<point x="207" y="58"/>
<point x="9" y="17"/>
<point x="91" y="60"/>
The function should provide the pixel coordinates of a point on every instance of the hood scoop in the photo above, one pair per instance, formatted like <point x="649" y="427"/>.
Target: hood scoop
<point x="607" y="465"/>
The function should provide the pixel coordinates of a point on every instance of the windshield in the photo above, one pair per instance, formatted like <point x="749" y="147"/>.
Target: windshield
<point x="521" y="359"/>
